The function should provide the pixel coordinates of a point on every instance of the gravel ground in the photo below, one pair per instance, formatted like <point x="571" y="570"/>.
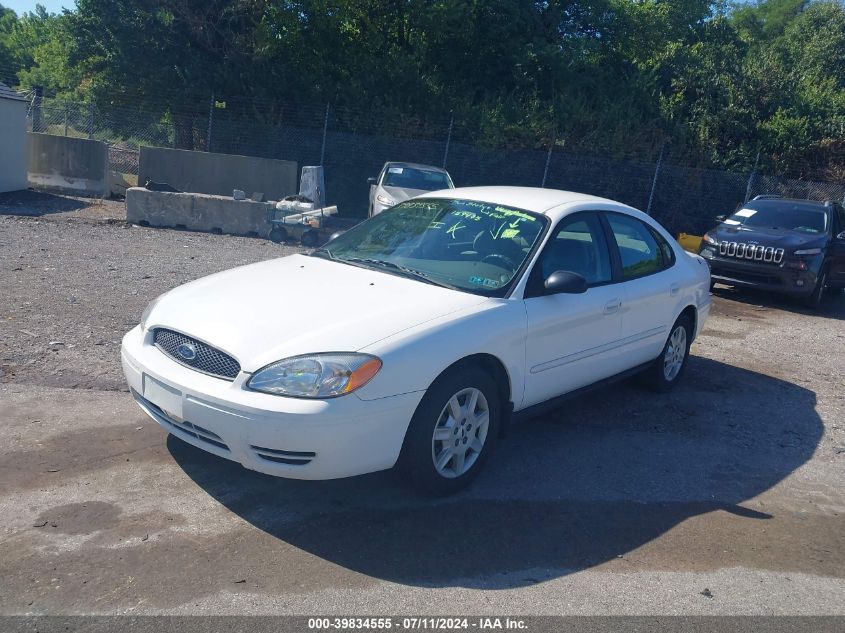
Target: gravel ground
<point x="723" y="497"/>
<point x="73" y="287"/>
<point x="38" y="203"/>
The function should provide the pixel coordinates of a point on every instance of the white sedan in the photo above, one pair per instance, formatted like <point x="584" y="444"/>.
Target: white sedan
<point x="416" y="337"/>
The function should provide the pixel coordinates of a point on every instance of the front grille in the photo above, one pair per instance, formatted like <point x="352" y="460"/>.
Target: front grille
<point x="189" y="428"/>
<point x="751" y="252"/>
<point x="206" y="359"/>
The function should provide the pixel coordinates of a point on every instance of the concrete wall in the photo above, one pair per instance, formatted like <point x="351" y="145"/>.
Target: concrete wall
<point x="196" y="211"/>
<point x="219" y="174"/>
<point x="67" y="164"/>
<point x="13" y="148"/>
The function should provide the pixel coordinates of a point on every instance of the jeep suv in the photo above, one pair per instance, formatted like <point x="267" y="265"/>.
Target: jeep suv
<point x="794" y="247"/>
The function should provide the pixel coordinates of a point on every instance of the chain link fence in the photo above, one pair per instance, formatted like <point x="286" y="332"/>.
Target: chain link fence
<point x="353" y="146"/>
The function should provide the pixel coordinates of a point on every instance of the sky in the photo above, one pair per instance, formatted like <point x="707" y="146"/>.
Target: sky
<point x="22" y="6"/>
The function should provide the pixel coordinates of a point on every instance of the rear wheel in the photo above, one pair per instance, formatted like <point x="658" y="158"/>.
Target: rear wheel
<point x="667" y="369"/>
<point x="452" y="431"/>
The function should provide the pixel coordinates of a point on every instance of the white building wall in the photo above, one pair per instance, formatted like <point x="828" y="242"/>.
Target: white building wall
<point x="13" y="145"/>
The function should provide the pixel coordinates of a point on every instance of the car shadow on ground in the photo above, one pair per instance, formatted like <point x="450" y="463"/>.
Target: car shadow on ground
<point x="37" y="203"/>
<point x="581" y="486"/>
<point x="832" y="306"/>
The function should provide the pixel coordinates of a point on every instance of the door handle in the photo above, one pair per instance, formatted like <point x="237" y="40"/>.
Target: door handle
<point x="612" y="306"/>
<point x="674" y="289"/>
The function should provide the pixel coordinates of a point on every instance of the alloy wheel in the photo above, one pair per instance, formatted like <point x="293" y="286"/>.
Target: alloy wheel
<point x="676" y="351"/>
<point x="460" y="433"/>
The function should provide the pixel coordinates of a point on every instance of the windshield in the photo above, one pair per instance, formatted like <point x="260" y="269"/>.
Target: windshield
<point x="471" y="246"/>
<point x="781" y="215"/>
<point x="413" y="178"/>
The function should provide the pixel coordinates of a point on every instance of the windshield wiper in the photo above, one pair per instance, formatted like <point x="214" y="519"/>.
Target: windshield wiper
<point x="404" y="270"/>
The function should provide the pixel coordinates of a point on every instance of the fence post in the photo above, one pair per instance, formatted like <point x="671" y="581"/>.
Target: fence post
<point x="91" y="120"/>
<point x="65" y="118"/>
<point x="210" y="123"/>
<point x="448" y="138"/>
<point x="548" y="161"/>
<point x="751" y="178"/>
<point x="36" y="109"/>
<point x="325" y="132"/>
<point x="654" y="182"/>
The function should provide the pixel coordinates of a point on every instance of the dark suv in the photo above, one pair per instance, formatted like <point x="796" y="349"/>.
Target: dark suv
<point x="794" y="247"/>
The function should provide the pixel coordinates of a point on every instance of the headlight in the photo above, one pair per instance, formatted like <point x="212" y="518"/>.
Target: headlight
<point x="385" y="199"/>
<point x="146" y="313"/>
<point x="316" y="375"/>
<point x="809" y="251"/>
<point x="710" y="239"/>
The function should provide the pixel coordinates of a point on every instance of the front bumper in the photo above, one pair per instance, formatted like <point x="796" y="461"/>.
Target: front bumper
<point x="762" y="276"/>
<point x="286" y="437"/>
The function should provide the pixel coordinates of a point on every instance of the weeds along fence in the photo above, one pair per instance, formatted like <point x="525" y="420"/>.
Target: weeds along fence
<point x="682" y="198"/>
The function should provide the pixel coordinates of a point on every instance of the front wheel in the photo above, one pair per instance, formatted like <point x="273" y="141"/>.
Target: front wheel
<point x="668" y="368"/>
<point x="452" y="431"/>
<point x="310" y="239"/>
<point x="278" y="234"/>
<point x="815" y="298"/>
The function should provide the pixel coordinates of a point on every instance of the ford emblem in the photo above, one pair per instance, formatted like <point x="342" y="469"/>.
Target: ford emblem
<point x="187" y="351"/>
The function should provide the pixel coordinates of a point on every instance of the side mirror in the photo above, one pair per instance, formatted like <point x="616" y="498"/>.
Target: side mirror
<point x="841" y="236"/>
<point x="721" y="218"/>
<point x="565" y="282"/>
<point x="334" y="236"/>
<point x="371" y="181"/>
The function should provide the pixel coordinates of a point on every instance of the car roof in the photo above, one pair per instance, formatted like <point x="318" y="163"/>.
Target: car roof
<point x="394" y="163"/>
<point x="528" y="198"/>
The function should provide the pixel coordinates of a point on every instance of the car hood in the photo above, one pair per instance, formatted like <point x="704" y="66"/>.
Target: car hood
<point x="271" y="310"/>
<point x="400" y="194"/>
<point x="777" y="238"/>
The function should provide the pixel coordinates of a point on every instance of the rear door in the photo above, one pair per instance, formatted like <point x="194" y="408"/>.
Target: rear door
<point x="651" y="290"/>
<point x="572" y="338"/>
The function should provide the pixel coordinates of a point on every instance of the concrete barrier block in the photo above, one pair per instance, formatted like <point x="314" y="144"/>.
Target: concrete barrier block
<point x="68" y="165"/>
<point x="198" y="212"/>
<point x="217" y="174"/>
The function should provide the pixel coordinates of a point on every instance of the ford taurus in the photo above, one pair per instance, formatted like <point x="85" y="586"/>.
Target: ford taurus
<point x="416" y="337"/>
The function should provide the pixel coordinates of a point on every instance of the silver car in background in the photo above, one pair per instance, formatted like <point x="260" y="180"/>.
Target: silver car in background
<point x="398" y="182"/>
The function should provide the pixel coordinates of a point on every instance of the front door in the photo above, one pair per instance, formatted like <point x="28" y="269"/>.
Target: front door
<point x="572" y="338"/>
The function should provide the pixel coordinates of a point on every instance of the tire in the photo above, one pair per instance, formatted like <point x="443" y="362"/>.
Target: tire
<point x="815" y="298"/>
<point x="668" y="368"/>
<point x="278" y="234"/>
<point x="432" y="464"/>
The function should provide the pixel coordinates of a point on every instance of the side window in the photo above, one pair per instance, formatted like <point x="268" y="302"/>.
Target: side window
<point x="638" y="249"/>
<point x="577" y="245"/>
<point x="665" y="249"/>
<point x="840" y="210"/>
